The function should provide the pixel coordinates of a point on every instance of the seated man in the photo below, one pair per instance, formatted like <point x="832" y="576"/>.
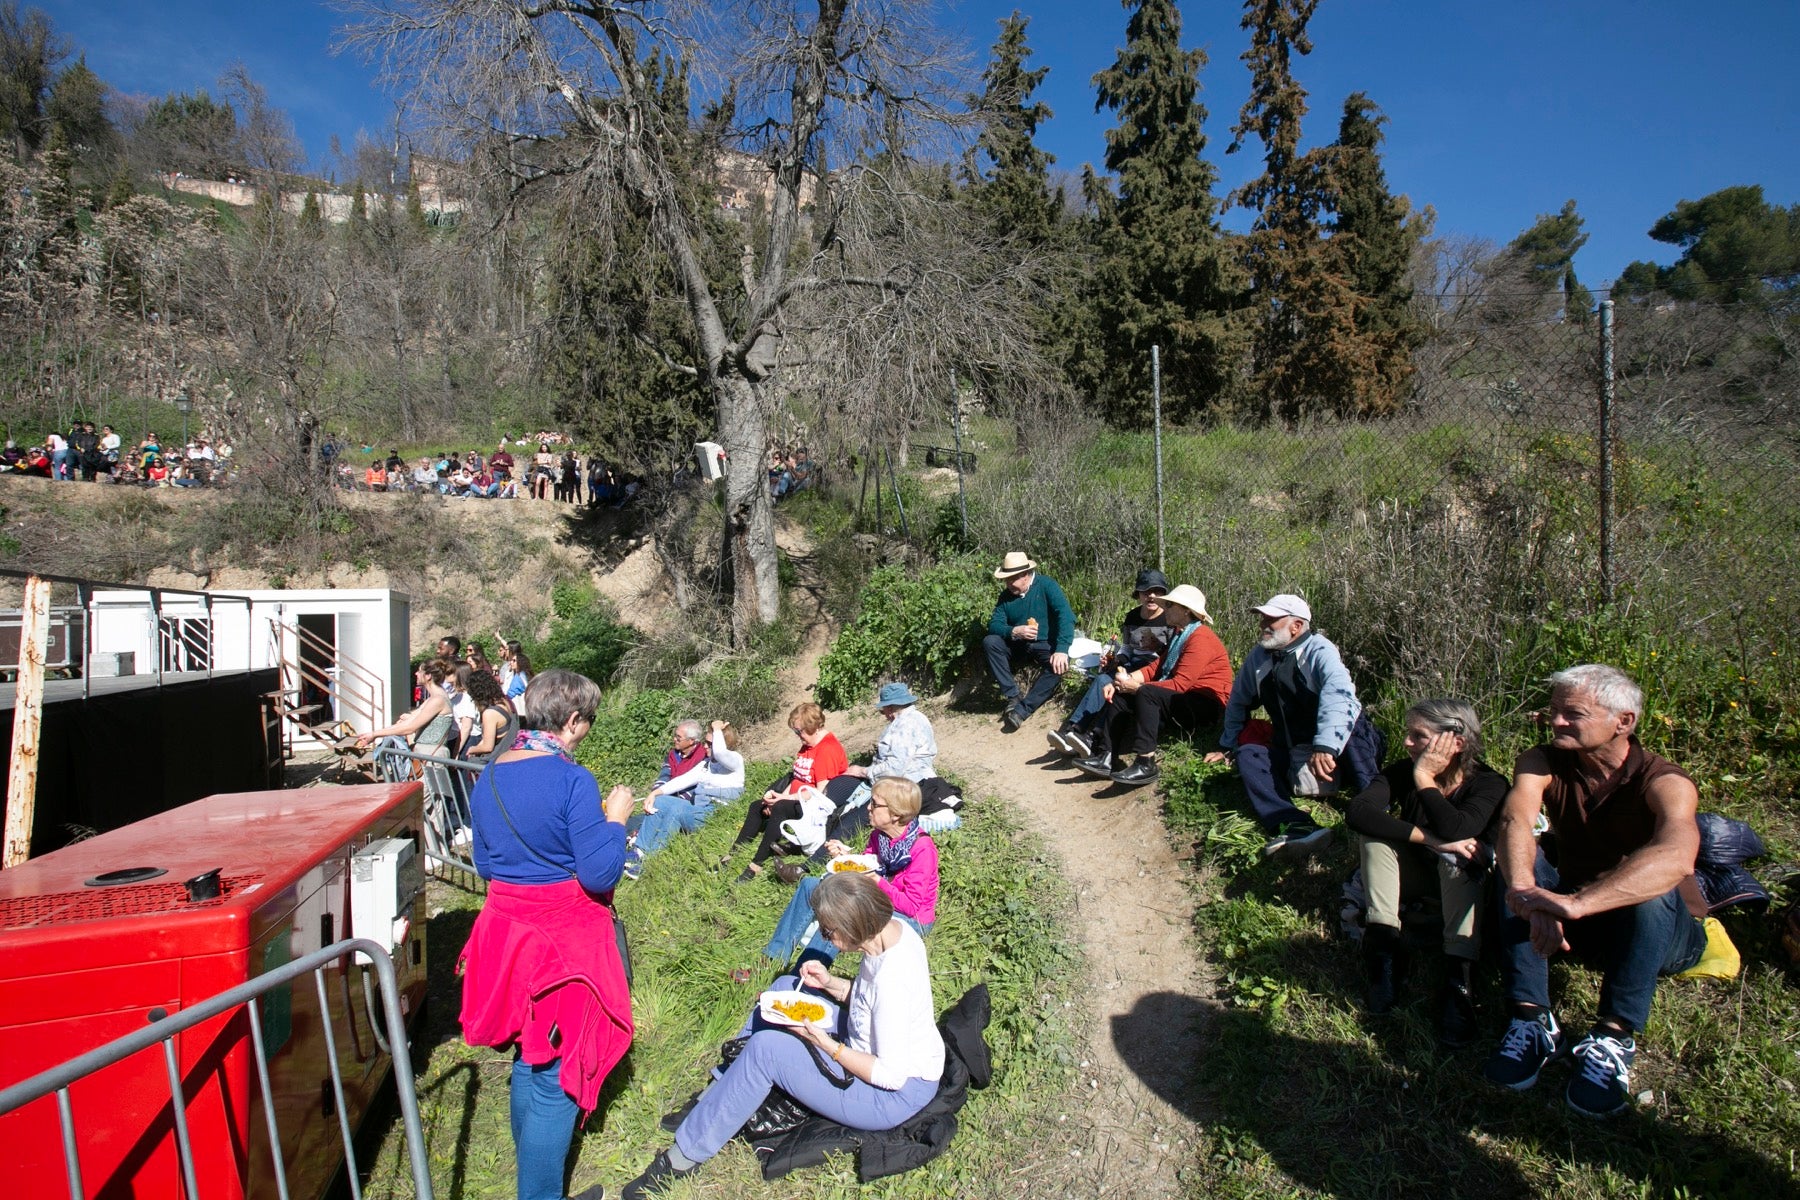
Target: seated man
<point x="1322" y="739"/>
<point x="1142" y="638"/>
<point x="1032" y="622"/>
<point x="1187" y="684"/>
<point x="1625" y="843"/>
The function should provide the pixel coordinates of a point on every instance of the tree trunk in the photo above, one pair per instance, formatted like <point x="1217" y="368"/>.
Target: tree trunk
<point x="749" y="515"/>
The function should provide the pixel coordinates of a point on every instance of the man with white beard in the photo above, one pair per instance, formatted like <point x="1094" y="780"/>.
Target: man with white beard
<point x="1320" y="736"/>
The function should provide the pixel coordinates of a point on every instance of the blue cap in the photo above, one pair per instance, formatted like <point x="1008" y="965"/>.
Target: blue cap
<point x="895" y="695"/>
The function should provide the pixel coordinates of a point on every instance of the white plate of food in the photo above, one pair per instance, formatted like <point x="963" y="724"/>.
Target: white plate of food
<point x="864" y="864"/>
<point x="794" y="1008"/>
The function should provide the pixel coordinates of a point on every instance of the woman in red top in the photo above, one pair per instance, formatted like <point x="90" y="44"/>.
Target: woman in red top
<point x="1189" y="685"/>
<point x="821" y="757"/>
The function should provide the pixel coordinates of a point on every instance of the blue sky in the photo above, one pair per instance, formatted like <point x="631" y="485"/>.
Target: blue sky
<point x="1499" y="110"/>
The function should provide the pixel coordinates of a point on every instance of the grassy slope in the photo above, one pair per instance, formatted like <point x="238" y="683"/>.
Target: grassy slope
<point x="690" y="929"/>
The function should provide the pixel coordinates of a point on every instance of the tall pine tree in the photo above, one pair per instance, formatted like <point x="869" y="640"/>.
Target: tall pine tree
<point x="1378" y="234"/>
<point x="1545" y="255"/>
<point x="1332" y="331"/>
<point x="1007" y="174"/>
<point x="1165" y="274"/>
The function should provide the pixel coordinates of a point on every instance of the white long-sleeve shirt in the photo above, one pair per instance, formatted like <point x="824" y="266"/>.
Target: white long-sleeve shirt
<point x="891" y="1014"/>
<point x="723" y="768"/>
<point x="907" y="748"/>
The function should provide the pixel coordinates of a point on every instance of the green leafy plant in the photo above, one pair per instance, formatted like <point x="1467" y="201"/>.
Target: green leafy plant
<point x="916" y="627"/>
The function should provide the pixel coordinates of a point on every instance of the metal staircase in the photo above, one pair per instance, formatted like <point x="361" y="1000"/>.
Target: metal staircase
<point x="325" y="696"/>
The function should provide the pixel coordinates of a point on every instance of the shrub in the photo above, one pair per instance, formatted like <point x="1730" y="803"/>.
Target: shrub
<point x="916" y="628"/>
<point x="585" y="634"/>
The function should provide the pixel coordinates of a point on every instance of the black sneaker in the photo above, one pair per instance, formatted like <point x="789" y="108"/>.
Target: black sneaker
<point x="1058" y="744"/>
<point x="1529" y="1043"/>
<point x="1602" y="1083"/>
<point x="1013" y="717"/>
<point x="659" y="1172"/>
<point x="1078" y="742"/>
<point x="1100" y="765"/>
<point x="1143" y="771"/>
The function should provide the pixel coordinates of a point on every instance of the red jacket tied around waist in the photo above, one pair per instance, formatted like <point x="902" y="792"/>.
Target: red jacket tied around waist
<point x="542" y="959"/>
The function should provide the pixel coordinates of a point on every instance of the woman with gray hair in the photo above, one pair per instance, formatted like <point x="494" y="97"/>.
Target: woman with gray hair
<point x="543" y="974"/>
<point x="1426" y="825"/>
<point x="871" y="1062"/>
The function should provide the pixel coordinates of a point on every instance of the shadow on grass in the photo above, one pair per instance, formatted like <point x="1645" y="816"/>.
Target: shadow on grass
<point x="1342" y="1118"/>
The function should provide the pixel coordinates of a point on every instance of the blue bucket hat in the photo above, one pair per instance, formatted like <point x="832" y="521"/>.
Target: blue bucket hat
<point x="895" y="695"/>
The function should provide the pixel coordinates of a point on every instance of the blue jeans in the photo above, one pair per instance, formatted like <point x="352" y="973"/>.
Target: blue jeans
<point x="543" y="1121"/>
<point x="1357" y="765"/>
<point x="1005" y="654"/>
<point x="682" y="813"/>
<point x="1630" y="947"/>
<point x="776" y="1058"/>
<point x="798" y="925"/>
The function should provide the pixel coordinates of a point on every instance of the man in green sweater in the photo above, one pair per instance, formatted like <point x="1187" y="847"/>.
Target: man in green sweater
<point x="1032" y="622"/>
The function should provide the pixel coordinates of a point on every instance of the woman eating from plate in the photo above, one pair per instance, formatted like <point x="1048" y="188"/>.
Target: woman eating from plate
<point x="875" y="1064"/>
<point x="906" y="868"/>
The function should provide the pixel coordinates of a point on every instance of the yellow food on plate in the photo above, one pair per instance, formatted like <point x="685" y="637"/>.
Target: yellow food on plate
<point x="850" y="864"/>
<point x="805" y="1011"/>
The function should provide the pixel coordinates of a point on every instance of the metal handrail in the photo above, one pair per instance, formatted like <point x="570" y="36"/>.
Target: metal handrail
<point x="59" y="1078"/>
<point x="374" y="695"/>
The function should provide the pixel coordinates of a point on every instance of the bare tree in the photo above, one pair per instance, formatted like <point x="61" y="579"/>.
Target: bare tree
<point x="571" y="95"/>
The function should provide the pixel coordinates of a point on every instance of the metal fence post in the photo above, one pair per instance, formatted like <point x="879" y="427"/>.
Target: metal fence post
<point x="1156" y="417"/>
<point x="1606" y="451"/>
<point x="962" y="501"/>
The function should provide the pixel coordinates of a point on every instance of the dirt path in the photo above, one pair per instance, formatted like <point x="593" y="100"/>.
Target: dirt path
<point x="1131" y="1122"/>
<point x="1134" y="916"/>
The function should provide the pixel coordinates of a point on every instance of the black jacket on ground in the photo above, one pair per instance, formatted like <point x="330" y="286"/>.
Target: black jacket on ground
<point x="927" y="1135"/>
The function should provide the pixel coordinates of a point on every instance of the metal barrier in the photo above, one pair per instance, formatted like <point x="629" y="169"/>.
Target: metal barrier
<point x="449" y="831"/>
<point x="58" y="1079"/>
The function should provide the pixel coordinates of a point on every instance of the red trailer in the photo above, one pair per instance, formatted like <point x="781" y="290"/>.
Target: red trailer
<point x="97" y="937"/>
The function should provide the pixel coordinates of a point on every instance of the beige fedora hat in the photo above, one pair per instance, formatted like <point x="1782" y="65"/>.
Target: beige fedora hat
<point x="1190" y="598"/>
<point x="1016" y="562"/>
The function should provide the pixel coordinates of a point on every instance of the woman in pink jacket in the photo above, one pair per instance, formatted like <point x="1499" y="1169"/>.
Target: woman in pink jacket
<point x="906" y="868"/>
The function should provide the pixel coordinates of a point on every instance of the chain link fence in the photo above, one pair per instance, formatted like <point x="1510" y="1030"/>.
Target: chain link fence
<point x="1554" y="490"/>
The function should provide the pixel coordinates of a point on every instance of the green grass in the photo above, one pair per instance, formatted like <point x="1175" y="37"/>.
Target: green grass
<point x="690" y="929"/>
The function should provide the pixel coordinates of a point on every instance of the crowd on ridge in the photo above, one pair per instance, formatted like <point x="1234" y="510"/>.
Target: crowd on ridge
<point x="100" y="456"/>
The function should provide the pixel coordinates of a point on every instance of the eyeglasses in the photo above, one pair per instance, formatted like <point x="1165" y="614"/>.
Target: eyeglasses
<point x="828" y="933"/>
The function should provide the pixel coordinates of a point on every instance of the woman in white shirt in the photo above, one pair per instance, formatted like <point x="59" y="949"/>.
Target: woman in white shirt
<point x="879" y="1064"/>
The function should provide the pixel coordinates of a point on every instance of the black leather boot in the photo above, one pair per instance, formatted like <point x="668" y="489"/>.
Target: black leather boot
<point x="1456" y="1004"/>
<point x="1381" y="963"/>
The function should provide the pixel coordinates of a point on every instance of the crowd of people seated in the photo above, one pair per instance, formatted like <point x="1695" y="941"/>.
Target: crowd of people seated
<point x="540" y="473"/>
<point x="790" y="471"/>
<point x="101" y="457"/>
<point x="1612" y="880"/>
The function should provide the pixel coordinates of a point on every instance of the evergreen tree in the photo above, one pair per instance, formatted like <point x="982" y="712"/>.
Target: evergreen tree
<point x="1735" y="247"/>
<point x="359" y="203"/>
<point x="77" y="105"/>
<point x="1545" y="253"/>
<point x="30" y="52"/>
<point x="1014" y="189"/>
<point x="415" y="207"/>
<point x="1165" y="275"/>
<point x="1378" y="236"/>
<point x="312" y="221"/>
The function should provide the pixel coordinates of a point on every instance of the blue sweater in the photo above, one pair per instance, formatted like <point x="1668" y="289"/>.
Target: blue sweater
<point x="1043" y="600"/>
<point x="555" y="807"/>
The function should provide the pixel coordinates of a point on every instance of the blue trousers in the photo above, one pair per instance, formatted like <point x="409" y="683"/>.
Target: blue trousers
<point x="1357" y="765"/>
<point x="677" y="814"/>
<point x="543" y="1121"/>
<point x="1630" y="947"/>
<point x="776" y="1058"/>
<point x="798" y="928"/>
<point x="1004" y="655"/>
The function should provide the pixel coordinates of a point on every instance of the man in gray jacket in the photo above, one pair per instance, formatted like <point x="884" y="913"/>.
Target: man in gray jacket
<point x="1321" y="742"/>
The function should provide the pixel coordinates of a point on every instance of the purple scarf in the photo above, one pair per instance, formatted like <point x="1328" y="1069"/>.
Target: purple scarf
<point x="542" y="741"/>
<point x="895" y="854"/>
